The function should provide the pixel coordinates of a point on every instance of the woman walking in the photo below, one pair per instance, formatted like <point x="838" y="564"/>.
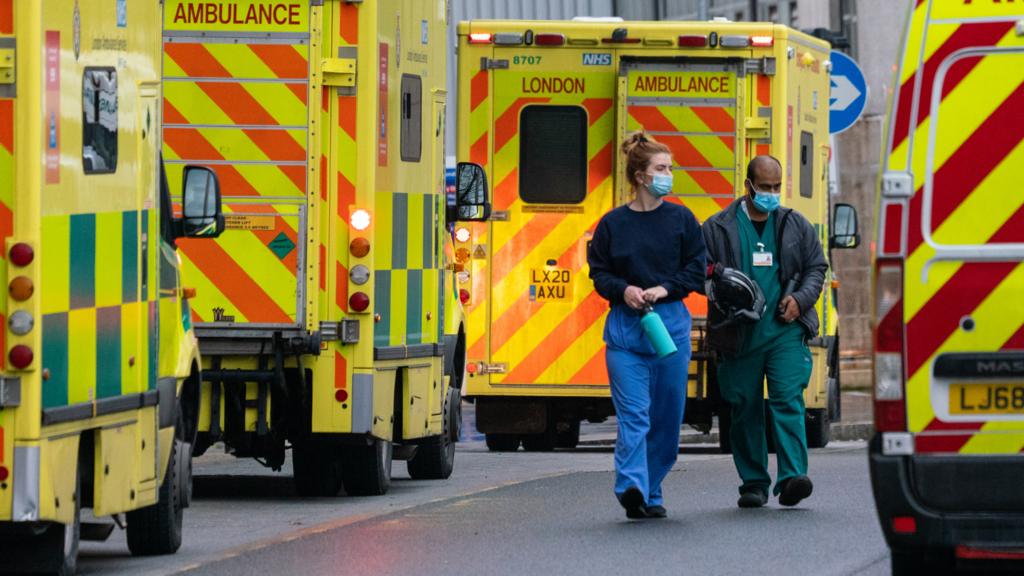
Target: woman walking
<point x="647" y="253"/>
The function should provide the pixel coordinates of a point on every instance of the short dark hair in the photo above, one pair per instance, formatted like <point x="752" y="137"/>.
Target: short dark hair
<point x="757" y="160"/>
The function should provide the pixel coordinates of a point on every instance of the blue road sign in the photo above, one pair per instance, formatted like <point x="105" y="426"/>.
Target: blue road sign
<point x="849" y="93"/>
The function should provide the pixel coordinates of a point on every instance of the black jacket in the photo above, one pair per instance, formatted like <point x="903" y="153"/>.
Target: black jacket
<point x="800" y="252"/>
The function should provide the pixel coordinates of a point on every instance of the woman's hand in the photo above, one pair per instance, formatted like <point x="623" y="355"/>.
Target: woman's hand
<point x="652" y="295"/>
<point x="634" y="297"/>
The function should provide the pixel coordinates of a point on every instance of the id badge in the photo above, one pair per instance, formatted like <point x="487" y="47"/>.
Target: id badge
<point x="762" y="258"/>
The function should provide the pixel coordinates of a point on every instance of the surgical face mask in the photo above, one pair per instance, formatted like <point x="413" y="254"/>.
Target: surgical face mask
<point x="661" y="185"/>
<point x="764" y="200"/>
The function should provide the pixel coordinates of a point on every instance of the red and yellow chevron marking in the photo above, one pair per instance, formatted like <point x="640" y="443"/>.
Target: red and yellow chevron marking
<point x="6" y="16"/>
<point x="975" y="160"/>
<point x="243" y="108"/>
<point x="6" y="185"/>
<point x="554" y="343"/>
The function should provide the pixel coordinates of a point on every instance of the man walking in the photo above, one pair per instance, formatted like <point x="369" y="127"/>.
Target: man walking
<point x="780" y="251"/>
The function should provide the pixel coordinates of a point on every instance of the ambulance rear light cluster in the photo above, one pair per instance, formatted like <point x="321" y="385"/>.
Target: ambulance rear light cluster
<point x="21" y="289"/>
<point x="359" y="247"/>
<point x="890" y="402"/>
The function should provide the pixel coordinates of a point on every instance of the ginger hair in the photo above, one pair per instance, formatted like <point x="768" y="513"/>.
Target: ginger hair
<point x="639" y="148"/>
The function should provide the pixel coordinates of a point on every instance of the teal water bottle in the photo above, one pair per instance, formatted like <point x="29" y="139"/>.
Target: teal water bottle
<point x="657" y="334"/>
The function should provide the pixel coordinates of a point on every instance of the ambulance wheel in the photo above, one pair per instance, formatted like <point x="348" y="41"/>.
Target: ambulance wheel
<point x="567" y="435"/>
<point x="502" y="442"/>
<point x="366" y="470"/>
<point x="435" y="458"/>
<point x="316" y="471"/>
<point x="819" y="428"/>
<point x="724" y="425"/>
<point x="156" y="529"/>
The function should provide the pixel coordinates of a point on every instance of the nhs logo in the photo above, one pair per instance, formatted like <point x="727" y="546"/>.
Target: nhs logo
<point x="592" y="59"/>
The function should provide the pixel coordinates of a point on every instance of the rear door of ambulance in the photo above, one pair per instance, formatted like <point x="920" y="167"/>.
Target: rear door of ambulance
<point x="235" y="99"/>
<point x="553" y="150"/>
<point x="962" y="141"/>
<point x="694" y="108"/>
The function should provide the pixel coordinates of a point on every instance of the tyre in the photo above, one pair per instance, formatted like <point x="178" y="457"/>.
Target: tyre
<point x="156" y="529"/>
<point x="435" y="458"/>
<point x="366" y="470"/>
<point x="913" y="561"/>
<point x="316" y="471"/>
<point x="819" y="428"/>
<point x="543" y="442"/>
<point x="724" y="425"/>
<point x="502" y="442"/>
<point x="569" y="437"/>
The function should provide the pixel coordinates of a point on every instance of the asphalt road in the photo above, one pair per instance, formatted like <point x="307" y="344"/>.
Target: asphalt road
<point x="519" y="513"/>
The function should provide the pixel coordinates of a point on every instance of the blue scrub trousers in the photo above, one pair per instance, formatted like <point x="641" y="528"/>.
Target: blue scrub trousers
<point x="649" y="397"/>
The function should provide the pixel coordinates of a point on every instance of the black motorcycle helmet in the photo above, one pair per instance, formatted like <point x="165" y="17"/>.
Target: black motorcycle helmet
<point x="735" y="295"/>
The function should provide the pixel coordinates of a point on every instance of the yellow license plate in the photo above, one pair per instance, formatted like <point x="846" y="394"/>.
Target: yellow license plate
<point x="550" y="285"/>
<point x="987" y="398"/>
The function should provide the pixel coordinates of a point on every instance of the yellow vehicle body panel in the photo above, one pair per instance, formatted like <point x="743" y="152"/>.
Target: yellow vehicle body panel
<point x="80" y="184"/>
<point x="955" y="135"/>
<point x="715" y="112"/>
<point x="304" y="119"/>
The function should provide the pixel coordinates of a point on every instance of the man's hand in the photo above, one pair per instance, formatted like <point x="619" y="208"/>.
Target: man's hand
<point x="634" y="297"/>
<point x="789" y="309"/>
<point x="652" y="295"/>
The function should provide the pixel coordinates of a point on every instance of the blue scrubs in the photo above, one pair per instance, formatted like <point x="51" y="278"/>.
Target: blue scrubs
<point x="649" y="395"/>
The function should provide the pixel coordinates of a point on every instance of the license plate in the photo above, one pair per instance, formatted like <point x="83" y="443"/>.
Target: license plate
<point x="987" y="398"/>
<point x="550" y="285"/>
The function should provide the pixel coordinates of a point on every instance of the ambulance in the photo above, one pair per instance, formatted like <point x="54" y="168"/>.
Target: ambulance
<point x="948" y="453"/>
<point x="99" y="375"/>
<point x="326" y="312"/>
<point x="544" y="106"/>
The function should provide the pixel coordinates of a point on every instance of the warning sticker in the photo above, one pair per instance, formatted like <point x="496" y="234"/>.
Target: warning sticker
<point x="281" y="245"/>
<point x="550" y="285"/>
<point x="238" y="222"/>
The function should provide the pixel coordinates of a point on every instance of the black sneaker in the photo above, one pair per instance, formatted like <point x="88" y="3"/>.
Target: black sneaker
<point x="633" y="501"/>
<point x="794" y="490"/>
<point x="752" y="498"/>
<point x="656" y="511"/>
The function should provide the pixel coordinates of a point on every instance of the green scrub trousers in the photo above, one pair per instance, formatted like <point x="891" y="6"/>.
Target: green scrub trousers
<point x="775" y="351"/>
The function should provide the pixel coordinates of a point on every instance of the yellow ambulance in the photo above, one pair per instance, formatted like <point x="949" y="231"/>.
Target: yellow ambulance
<point x="99" y="371"/>
<point x="326" y="312"/>
<point x="947" y="458"/>
<point x="544" y="106"/>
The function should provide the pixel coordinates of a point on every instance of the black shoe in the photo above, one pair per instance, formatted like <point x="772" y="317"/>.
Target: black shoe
<point x="752" y="498"/>
<point x="633" y="501"/>
<point x="656" y="511"/>
<point x="794" y="490"/>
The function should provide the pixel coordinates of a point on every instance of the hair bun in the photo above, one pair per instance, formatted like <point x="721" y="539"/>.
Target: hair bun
<point x="635" y="139"/>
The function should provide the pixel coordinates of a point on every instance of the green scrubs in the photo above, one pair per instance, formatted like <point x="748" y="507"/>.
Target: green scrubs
<point x="771" y="349"/>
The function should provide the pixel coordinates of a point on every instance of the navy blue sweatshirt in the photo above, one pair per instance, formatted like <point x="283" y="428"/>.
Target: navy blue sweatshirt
<point x="662" y="247"/>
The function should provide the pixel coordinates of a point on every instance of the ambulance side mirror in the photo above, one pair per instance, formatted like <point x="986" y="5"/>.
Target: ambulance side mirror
<point x="844" y="227"/>
<point x="201" y="215"/>
<point x="472" y="202"/>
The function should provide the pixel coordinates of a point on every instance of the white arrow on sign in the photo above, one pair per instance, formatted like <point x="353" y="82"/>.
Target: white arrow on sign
<point x="844" y="93"/>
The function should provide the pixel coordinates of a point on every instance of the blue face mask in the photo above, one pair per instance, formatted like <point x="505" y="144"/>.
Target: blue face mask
<point x="661" y="185"/>
<point x="765" y="201"/>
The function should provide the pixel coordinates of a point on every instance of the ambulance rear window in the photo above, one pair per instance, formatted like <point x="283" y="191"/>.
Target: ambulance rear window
<point x="553" y="155"/>
<point x="99" y="120"/>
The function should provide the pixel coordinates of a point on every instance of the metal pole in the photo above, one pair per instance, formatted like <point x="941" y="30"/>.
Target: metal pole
<point x="753" y="11"/>
<point x="702" y="10"/>
<point x="785" y="15"/>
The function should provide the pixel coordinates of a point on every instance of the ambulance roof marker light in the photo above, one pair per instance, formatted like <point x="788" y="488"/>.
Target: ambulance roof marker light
<point x="762" y="41"/>
<point x="549" y="39"/>
<point x="693" y="41"/>
<point x="507" y="39"/>
<point x="480" y="38"/>
<point x="734" y="41"/>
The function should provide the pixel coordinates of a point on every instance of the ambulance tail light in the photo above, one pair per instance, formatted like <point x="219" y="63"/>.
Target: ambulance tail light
<point x="22" y="254"/>
<point x="462" y="235"/>
<point x="480" y="38"/>
<point x="693" y="41"/>
<point x="762" y="41"/>
<point x="359" y="247"/>
<point x="549" y="39"/>
<point x="463" y="296"/>
<point x="889" y="400"/>
<point x="359" y="302"/>
<point x="4" y="473"/>
<point x="20" y="356"/>
<point x="360" y="220"/>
